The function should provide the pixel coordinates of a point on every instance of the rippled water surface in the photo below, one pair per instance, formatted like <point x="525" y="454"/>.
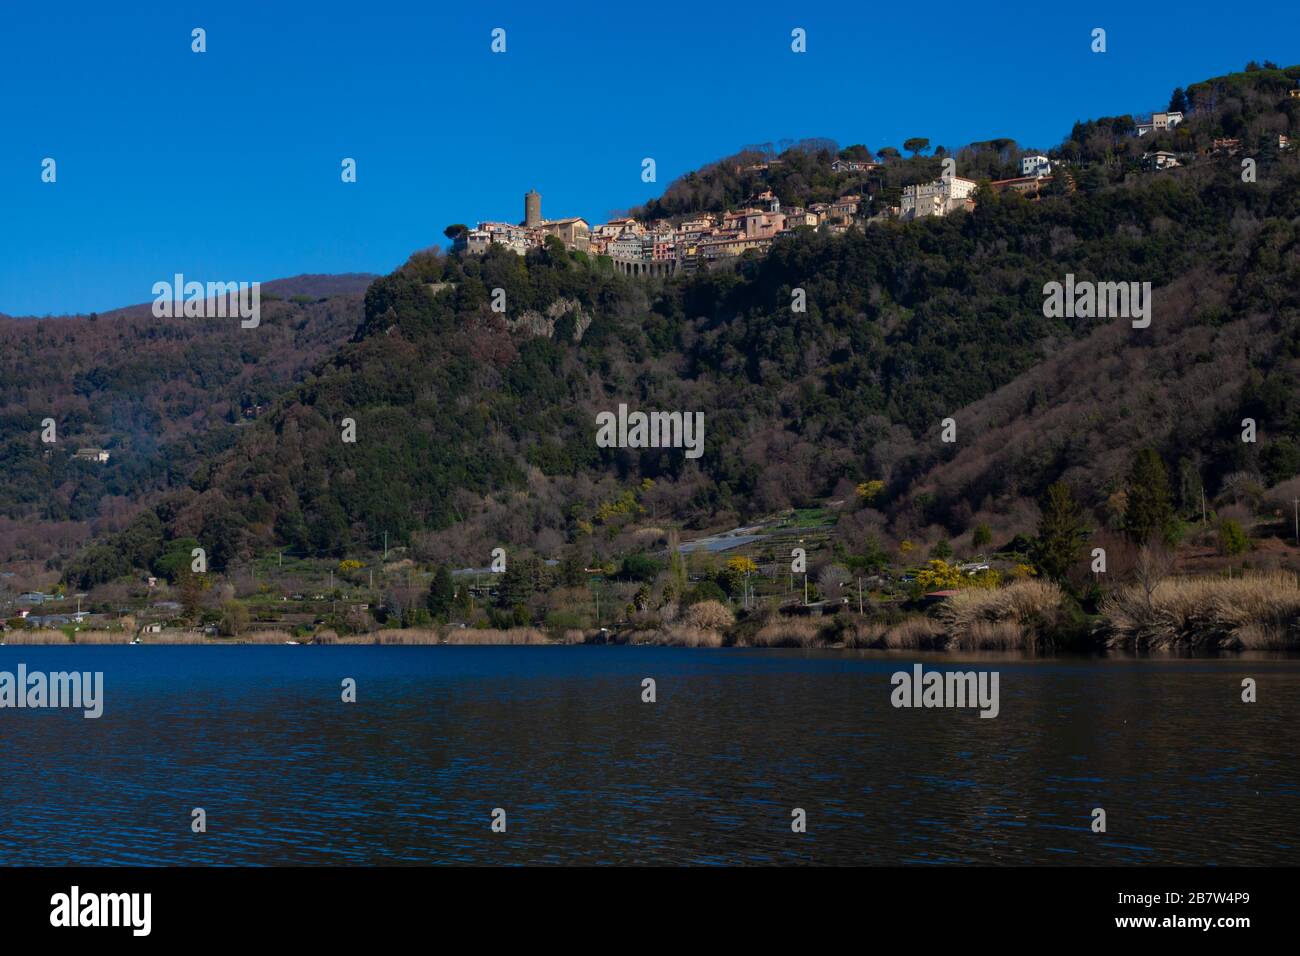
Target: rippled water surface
<point x="559" y="737"/>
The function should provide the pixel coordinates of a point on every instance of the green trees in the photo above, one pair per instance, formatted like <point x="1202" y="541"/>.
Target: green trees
<point x="639" y="567"/>
<point x="234" y="618"/>
<point x="1148" y="511"/>
<point x="524" y="577"/>
<point x="572" y="567"/>
<point x="1232" y="539"/>
<point x="1060" y="532"/>
<point x="442" y="592"/>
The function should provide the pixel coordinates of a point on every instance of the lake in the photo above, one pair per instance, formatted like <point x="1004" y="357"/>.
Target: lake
<point x="586" y="772"/>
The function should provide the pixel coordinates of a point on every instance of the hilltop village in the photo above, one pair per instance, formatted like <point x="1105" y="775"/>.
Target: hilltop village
<point x="662" y="247"/>
<point x="669" y="245"/>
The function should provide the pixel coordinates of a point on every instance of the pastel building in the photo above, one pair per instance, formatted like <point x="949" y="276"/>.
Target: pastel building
<point x="937" y="198"/>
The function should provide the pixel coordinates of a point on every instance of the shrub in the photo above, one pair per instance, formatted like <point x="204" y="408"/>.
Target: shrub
<point x="704" y="591"/>
<point x="1232" y="539"/>
<point x="711" y="615"/>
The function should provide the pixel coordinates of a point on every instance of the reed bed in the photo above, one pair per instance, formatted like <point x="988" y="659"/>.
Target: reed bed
<point x="178" y="637"/>
<point x="259" y="637"/>
<point x="410" y="635"/>
<point x="684" y="635"/>
<point x="915" y="633"/>
<point x="514" y="635"/>
<point x="332" y="638"/>
<point x="1022" y="615"/>
<point x="787" y="633"/>
<point x="35" y="637"/>
<point x="861" y="633"/>
<point x="1256" y="612"/>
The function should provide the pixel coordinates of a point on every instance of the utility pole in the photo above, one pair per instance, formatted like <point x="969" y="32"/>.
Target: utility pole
<point x="859" y="596"/>
<point x="1295" y="505"/>
<point x="805" y="588"/>
<point x="1202" y="506"/>
<point x="385" y="545"/>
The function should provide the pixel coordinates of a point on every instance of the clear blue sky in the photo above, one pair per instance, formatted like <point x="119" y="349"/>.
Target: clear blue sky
<point x="225" y="165"/>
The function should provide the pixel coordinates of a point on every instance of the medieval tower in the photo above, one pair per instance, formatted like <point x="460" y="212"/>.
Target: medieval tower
<point x="532" y="208"/>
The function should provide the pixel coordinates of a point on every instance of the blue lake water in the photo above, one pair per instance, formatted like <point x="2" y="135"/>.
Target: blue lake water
<point x="587" y="773"/>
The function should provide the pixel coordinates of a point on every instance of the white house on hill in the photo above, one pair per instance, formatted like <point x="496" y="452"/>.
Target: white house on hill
<point x="1036" y="165"/>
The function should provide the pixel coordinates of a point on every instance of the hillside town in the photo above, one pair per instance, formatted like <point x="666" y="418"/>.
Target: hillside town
<point x="664" y="247"/>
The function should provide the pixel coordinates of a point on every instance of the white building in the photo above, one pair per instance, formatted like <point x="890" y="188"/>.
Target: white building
<point x="1159" y="123"/>
<point x="630" y="245"/>
<point x="1162" y="159"/>
<point x="937" y="198"/>
<point x="1036" y="165"/>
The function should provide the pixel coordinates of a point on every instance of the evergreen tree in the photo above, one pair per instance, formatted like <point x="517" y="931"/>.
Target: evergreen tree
<point x="1148" y="510"/>
<point x="519" y="583"/>
<point x="1060" y="532"/>
<point x="441" y="593"/>
<point x="572" y="567"/>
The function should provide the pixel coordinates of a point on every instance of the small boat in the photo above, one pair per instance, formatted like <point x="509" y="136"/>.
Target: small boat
<point x="292" y="642"/>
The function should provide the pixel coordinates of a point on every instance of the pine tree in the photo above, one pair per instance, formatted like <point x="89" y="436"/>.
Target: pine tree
<point x="1060" y="532"/>
<point x="441" y="592"/>
<point x="1148" y="511"/>
<point x="519" y="583"/>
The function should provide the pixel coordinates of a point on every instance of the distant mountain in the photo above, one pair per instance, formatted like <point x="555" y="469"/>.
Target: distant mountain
<point x="313" y="286"/>
<point x="476" y="429"/>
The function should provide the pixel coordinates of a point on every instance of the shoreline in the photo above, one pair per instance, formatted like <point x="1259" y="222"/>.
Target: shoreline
<point x="951" y="652"/>
<point x="1028" y="616"/>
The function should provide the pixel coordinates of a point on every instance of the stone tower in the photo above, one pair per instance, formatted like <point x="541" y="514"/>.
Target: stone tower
<point x="532" y="208"/>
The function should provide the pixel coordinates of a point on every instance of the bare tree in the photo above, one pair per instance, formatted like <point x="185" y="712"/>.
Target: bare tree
<point x="1154" y="563"/>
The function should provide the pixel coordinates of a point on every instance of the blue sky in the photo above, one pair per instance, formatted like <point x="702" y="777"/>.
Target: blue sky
<point x="225" y="165"/>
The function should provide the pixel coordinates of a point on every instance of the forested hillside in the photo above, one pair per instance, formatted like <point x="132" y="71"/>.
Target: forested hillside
<point x="160" y="396"/>
<point x="475" y="429"/>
